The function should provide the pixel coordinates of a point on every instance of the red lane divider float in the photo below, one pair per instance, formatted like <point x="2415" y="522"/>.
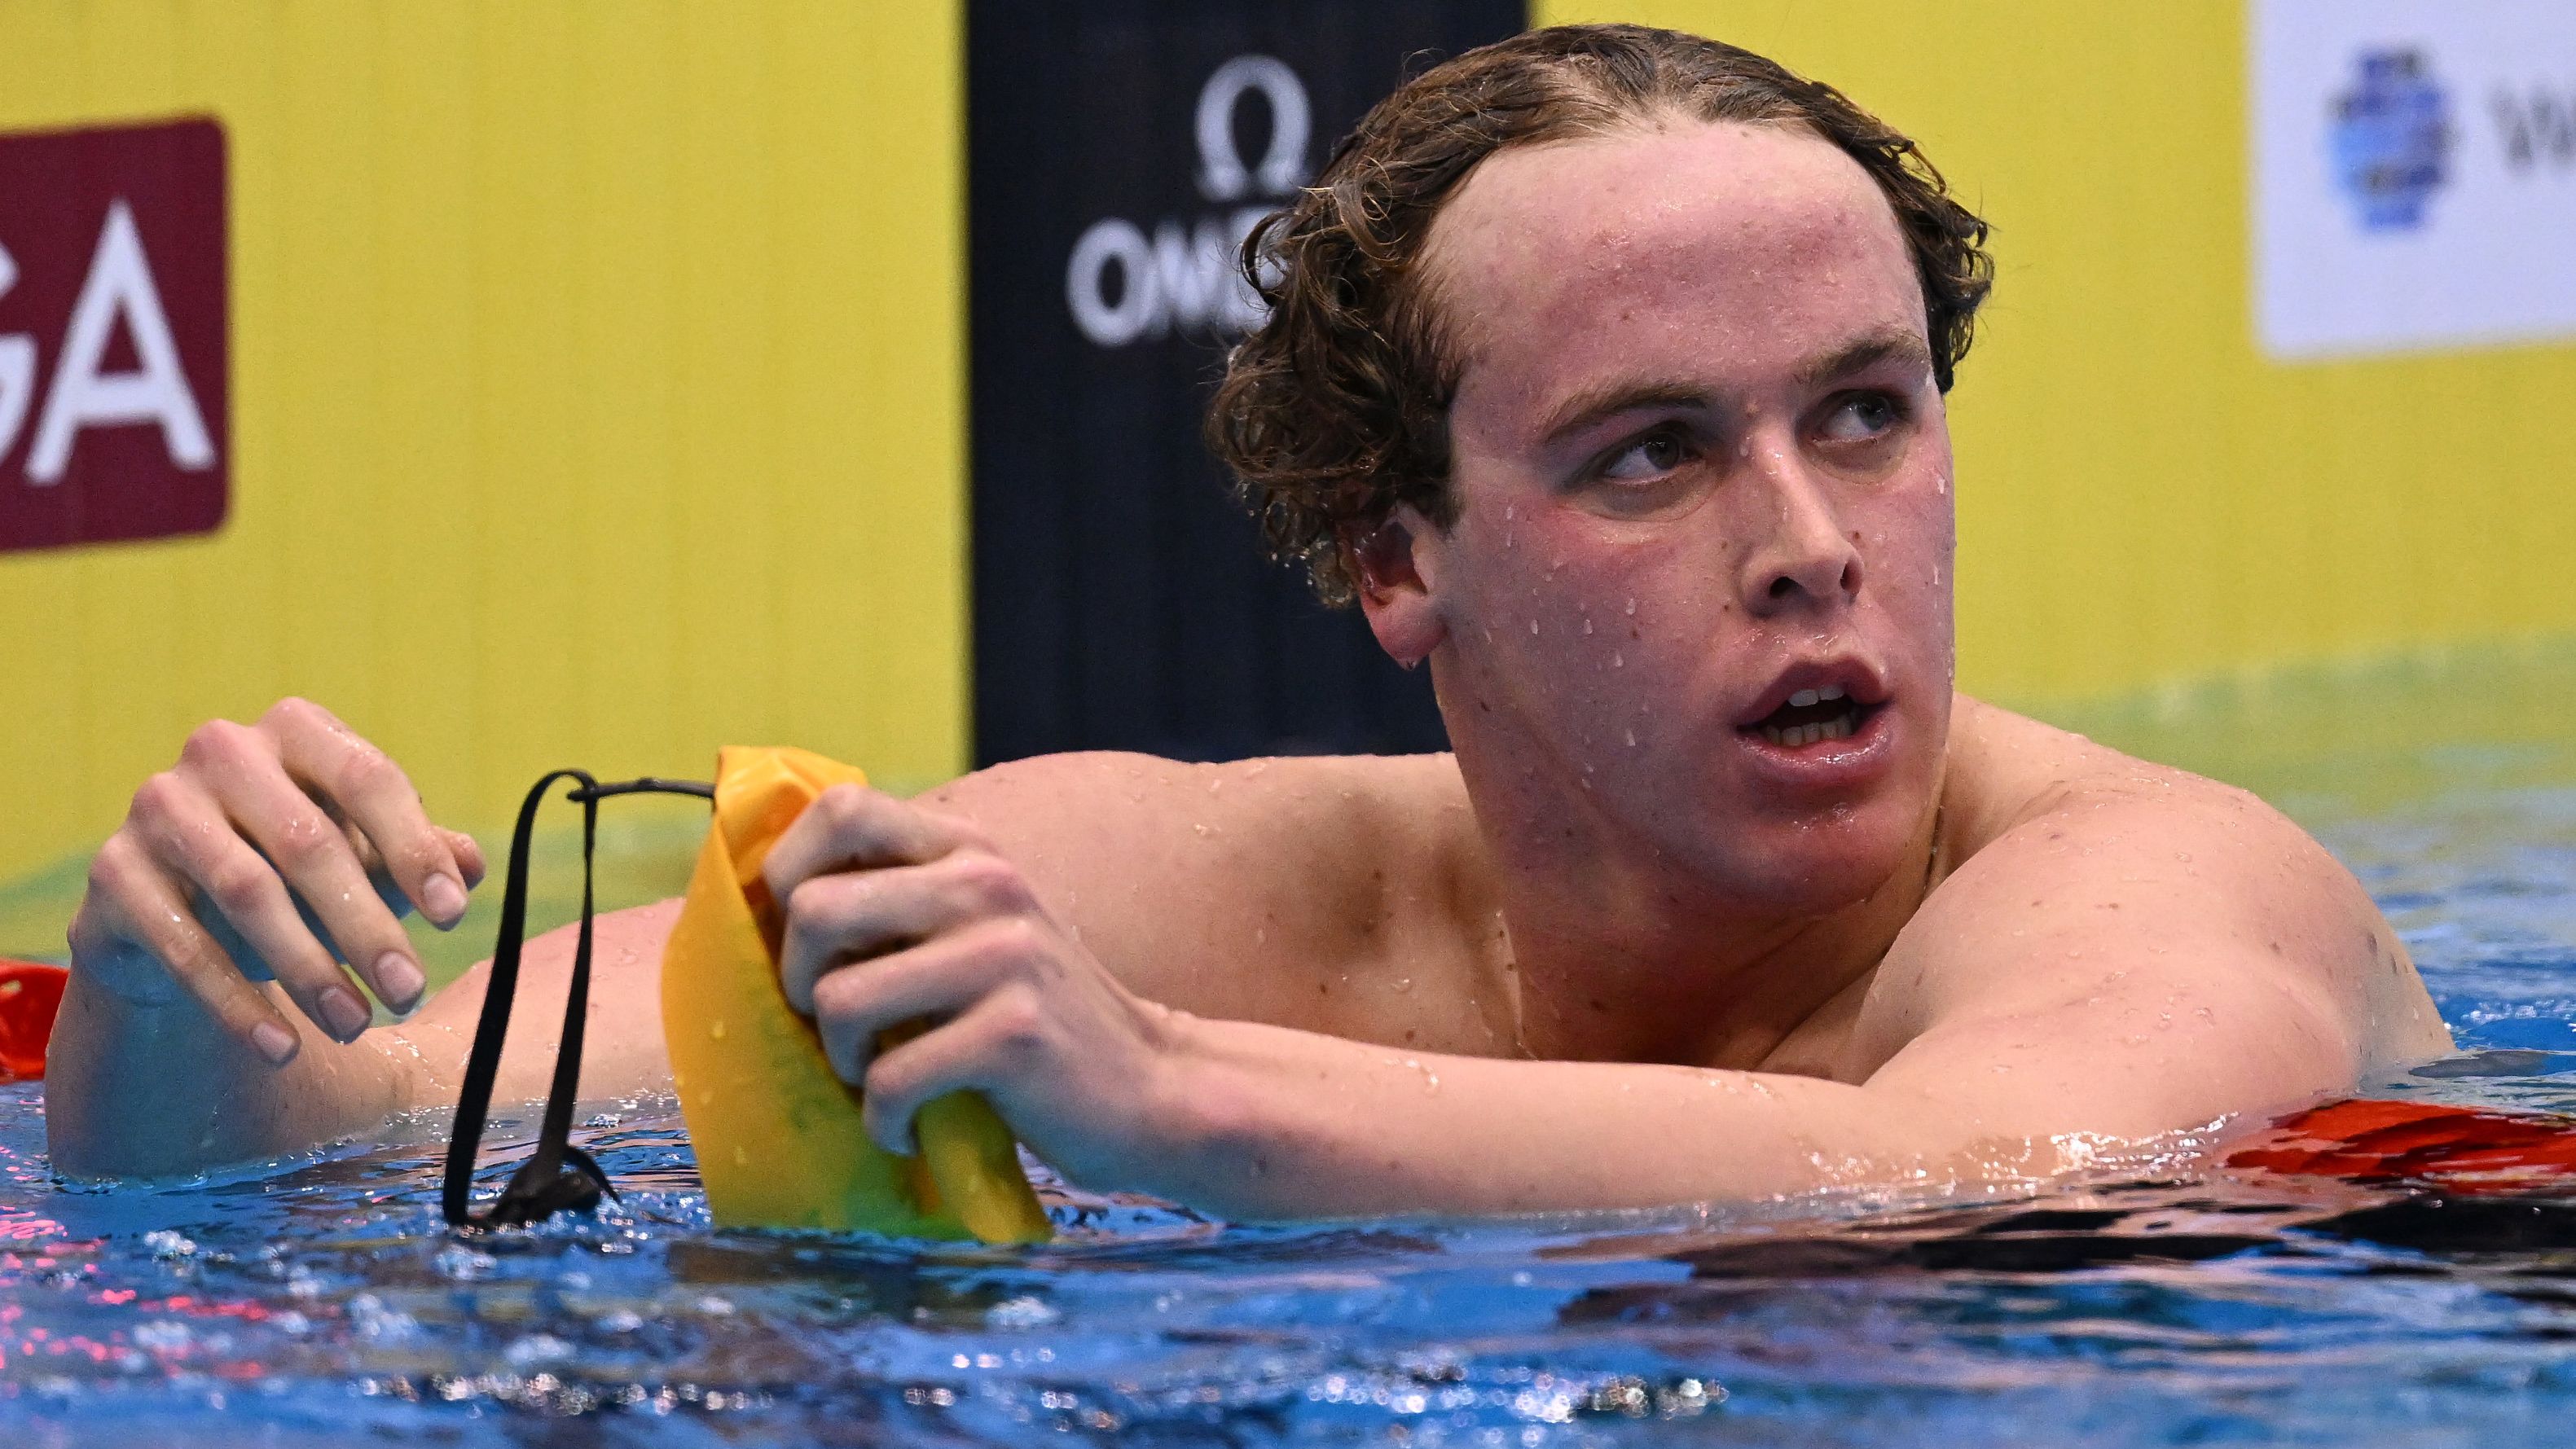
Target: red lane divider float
<point x="30" y="994"/>
<point x="2464" y="1150"/>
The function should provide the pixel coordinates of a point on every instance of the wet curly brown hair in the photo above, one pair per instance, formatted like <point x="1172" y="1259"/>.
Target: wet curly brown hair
<point x="1335" y="410"/>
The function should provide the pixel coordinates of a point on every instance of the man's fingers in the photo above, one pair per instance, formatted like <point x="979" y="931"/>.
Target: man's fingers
<point x="132" y="907"/>
<point x="192" y="840"/>
<point x="834" y="920"/>
<point x="310" y="850"/>
<point x="852" y="828"/>
<point x="333" y="764"/>
<point x="959" y="1056"/>
<point x="468" y="853"/>
<point x="940" y="978"/>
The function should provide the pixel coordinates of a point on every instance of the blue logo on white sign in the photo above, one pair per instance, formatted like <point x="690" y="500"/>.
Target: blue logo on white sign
<point x="2391" y="139"/>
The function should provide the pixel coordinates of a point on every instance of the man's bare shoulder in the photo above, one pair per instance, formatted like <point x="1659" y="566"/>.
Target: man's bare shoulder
<point x="1200" y="883"/>
<point x="2007" y="770"/>
<point x="2071" y="868"/>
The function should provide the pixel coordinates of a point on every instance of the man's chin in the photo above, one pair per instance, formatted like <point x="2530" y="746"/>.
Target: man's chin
<point x="1811" y="860"/>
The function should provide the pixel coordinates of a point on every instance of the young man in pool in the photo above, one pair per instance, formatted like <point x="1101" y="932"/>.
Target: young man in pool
<point x="1606" y="367"/>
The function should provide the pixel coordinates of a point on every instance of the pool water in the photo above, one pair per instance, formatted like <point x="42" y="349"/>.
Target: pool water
<point x="2162" y="1300"/>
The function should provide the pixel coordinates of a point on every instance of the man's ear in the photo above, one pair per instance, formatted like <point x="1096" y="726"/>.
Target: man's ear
<point x="1398" y="577"/>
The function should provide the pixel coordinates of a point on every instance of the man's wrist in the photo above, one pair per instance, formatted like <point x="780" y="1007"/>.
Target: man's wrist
<point x="1197" y="1127"/>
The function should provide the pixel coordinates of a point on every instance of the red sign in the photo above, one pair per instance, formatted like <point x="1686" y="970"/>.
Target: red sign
<point x="114" y="374"/>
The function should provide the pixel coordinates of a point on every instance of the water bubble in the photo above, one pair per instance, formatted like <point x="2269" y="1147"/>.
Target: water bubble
<point x="1024" y="1311"/>
<point x="463" y="1263"/>
<point x="535" y="1349"/>
<point x="162" y="1335"/>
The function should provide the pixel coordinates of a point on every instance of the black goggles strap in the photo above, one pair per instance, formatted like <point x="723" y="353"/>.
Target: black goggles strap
<point x="558" y="1176"/>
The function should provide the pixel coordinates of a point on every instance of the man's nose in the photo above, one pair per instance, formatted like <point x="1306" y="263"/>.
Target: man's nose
<point x="1802" y="559"/>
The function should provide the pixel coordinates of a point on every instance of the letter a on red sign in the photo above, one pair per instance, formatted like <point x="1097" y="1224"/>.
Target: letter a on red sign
<point x="115" y="377"/>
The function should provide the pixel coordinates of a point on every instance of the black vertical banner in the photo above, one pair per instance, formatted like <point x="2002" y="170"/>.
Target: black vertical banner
<point x="1118" y="151"/>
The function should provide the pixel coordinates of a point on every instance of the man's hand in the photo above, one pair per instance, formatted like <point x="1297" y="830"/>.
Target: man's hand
<point x="897" y="915"/>
<point x="279" y="849"/>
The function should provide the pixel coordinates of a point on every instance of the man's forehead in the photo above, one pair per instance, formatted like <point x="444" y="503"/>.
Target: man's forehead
<point x="1668" y="224"/>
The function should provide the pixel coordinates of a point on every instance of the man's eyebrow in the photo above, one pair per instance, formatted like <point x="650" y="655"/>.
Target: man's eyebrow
<point x="1621" y="395"/>
<point x="1612" y="398"/>
<point x="1866" y="352"/>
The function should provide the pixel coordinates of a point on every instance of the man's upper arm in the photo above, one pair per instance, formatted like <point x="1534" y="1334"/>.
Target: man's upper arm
<point x="1189" y="882"/>
<point x="2130" y="963"/>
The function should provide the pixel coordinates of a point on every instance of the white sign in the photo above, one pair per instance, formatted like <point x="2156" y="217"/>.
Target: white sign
<point x="2414" y="173"/>
<point x="1125" y="286"/>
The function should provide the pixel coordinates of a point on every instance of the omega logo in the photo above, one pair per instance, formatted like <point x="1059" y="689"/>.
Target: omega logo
<point x="1124" y="286"/>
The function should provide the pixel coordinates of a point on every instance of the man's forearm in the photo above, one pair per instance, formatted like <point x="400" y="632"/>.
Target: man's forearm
<point x="1281" y="1123"/>
<point x="155" y="1091"/>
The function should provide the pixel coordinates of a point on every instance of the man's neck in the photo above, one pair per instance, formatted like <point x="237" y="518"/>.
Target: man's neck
<point x="1623" y="951"/>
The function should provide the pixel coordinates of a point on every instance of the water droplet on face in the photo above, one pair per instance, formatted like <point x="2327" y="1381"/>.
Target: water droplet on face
<point x="1632" y="608"/>
<point x="1617" y="659"/>
<point x="1632" y="739"/>
<point x="715" y="1028"/>
<point x="1587" y="626"/>
<point x="1404" y="983"/>
<point x="1533" y="628"/>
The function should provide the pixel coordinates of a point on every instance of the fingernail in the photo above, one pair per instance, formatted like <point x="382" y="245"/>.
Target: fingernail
<point x="274" y="1042"/>
<point x="344" y="1013"/>
<point x="444" y="899"/>
<point x="399" y="980"/>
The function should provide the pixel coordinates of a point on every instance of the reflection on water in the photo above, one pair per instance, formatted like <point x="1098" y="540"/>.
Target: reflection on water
<point x="325" y="1301"/>
<point x="2161" y="1302"/>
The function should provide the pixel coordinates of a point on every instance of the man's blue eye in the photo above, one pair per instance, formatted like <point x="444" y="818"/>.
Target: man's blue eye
<point x="1646" y="458"/>
<point x="1863" y="415"/>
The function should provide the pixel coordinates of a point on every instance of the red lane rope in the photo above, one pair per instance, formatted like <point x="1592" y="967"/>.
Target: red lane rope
<point x="30" y="994"/>
<point x="2466" y="1150"/>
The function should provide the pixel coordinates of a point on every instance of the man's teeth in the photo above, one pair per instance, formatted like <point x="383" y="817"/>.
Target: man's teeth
<point x="1826" y="695"/>
<point x="1799" y="736"/>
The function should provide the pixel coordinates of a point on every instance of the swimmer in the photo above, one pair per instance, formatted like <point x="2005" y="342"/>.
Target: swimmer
<point x="1605" y="369"/>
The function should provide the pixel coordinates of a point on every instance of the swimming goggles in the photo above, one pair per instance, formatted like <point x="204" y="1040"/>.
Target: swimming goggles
<point x="558" y="1177"/>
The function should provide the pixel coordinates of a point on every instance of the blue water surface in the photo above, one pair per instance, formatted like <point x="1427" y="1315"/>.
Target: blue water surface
<point x="2160" y="1302"/>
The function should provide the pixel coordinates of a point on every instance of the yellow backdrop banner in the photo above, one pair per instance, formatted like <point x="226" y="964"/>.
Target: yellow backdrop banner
<point x="597" y="396"/>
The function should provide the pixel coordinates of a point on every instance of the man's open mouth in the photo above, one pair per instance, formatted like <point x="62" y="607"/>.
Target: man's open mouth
<point x="1813" y="716"/>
